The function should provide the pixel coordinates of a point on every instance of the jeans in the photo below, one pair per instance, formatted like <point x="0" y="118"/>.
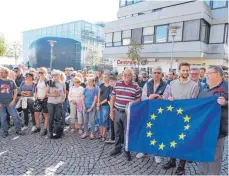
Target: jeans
<point x="26" y="112"/>
<point x="55" y="114"/>
<point x="14" y="114"/>
<point x="89" y="117"/>
<point x="103" y="116"/>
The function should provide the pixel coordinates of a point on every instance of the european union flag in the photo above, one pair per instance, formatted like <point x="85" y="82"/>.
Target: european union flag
<point x="183" y="129"/>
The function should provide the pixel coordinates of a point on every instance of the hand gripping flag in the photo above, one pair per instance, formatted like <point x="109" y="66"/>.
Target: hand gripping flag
<point x="183" y="129"/>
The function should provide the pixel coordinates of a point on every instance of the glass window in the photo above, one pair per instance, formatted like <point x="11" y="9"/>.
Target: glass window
<point x="205" y="31"/>
<point x="226" y="34"/>
<point x="108" y="44"/>
<point x="117" y="37"/>
<point x="137" y="36"/>
<point x="191" y="30"/>
<point x="161" y="33"/>
<point x="125" y="41"/>
<point x="129" y="2"/>
<point x="117" y="43"/>
<point x="178" y="31"/>
<point x="148" y="39"/>
<point x="122" y="3"/>
<point x="126" y="34"/>
<point x="217" y="33"/>
<point x="148" y="30"/>
<point x="108" y="37"/>
<point x="219" y="4"/>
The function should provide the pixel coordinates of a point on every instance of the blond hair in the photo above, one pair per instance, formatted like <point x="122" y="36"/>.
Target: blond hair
<point x="5" y="69"/>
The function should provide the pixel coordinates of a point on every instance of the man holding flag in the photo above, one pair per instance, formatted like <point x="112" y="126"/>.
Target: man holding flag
<point x="182" y="88"/>
<point x="124" y="92"/>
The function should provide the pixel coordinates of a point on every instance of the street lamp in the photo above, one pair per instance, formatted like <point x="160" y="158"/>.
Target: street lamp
<point x="173" y="33"/>
<point x="51" y="42"/>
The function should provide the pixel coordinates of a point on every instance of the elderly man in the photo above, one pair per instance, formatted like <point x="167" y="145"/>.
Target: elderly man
<point x="8" y="95"/>
<point x="182" y="88"/>
<point x="153" y="89"/>
<point x="217" y="87"/>
<point x="195" y="76"/>
<point x="123" y="93"/>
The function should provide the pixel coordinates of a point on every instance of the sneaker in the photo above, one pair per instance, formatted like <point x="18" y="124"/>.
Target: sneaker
<point x="72" y="130"/>
<point x="109" y="141"/>
<point x="37" y="130"/>
<point x="24" y="128"/>
<point x="80" y="132"/>
<point x="20" y="133"/>
<point x="140" y="155"/>
<point x="34" y="128"/>
<point x="157" y="159"/>
<point x="44" y="132"/>
<point x="84" y="136"/>
<point x="102" y="139"/>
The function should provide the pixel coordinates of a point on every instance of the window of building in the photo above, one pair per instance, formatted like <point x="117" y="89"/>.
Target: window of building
<point x="126" y="37"/>
<point x="129" y="2"/>
<point x="136" y="36"/>
<point x="125" y="42"/>
<point x="178" y="31"/>
<point x="108" y="44"/>
<point x="117" y="39"/>
<point x="161" y="33"/>
<point x="148" y="34"/>
<point x="219" y="4"/>
<point x="226" y="34"/>
<point x="205" y="31"/>
<point x="217" y="33"/>
<point x="191" y="30"/>
<point x="122" y="3"/>
<point x="108" y="37"/>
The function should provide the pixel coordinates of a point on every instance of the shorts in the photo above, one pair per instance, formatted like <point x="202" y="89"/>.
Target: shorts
<point x="103" y="116"/>
<point x="44" y="106"/>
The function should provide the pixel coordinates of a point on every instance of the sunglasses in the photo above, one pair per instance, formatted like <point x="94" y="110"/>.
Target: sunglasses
<point x="157" y="73"/>
<point x="28" y="75"/>
<point x="41" y="73"/>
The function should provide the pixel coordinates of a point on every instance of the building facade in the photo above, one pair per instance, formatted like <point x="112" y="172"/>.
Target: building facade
<point x="200" y="37"/>
<point x="84" y="33"/>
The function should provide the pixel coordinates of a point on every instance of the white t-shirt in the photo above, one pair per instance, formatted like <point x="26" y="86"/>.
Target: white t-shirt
<point x="75" y="93"/>
<point x="41" y="88"/>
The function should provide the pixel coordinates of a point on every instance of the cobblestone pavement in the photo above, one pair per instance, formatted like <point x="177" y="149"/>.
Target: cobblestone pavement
<point x="35" y="155"/>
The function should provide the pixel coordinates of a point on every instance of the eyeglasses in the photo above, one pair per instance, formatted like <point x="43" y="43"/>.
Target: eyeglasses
<point x="144" y="77"/>
<point x="211" y="73"/>
<point x="157" y="73"/>
<point x="77" y="82"/>
<point x="126" y="75"/>
<point x="70" y="70"/>
<point x="54" y="75"/>
<point x="15" y="71"/>
<point x="73" y="75"/>
<point x="41" y="73"/>
<point x="194" y="73"/>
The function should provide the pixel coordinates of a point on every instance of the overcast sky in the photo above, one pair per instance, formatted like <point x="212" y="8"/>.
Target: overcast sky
<point x="17" y="16"/>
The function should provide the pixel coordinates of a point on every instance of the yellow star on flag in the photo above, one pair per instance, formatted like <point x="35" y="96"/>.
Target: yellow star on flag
<point x="179" y="111"/>
<point x="173" y="144"/>
<point x="161" y="146"/>
<point x="169" y="108"/>
<point x="153" y="142"/>
<point x="149" y="134"/>
<point x="182" y="136"/>
<point x="186" y="118"/>
<point x="153" y="117"/>
<point x="160" y="110"/>
<point x="149" y="125"/>
<point x="187" y="127"/>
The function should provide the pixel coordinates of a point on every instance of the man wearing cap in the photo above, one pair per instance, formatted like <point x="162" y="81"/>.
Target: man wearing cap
<point x="144" y="79"/>
<point x="18" y="75"/>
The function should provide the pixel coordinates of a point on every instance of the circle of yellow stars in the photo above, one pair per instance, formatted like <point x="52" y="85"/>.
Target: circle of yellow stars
<point x="182" y="136"/>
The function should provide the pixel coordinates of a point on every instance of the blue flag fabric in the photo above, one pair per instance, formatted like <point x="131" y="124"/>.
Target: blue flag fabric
<point x="182" y="129"/>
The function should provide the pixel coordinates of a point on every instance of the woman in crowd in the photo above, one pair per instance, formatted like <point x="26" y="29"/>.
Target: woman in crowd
<point x="56" y="93"/>
<point x="103" y="106"/>
<point x="26" y="90"/>
<point x="41" y="99"/>
<point x="76" y="108"/>
<point x="89" y="100"/>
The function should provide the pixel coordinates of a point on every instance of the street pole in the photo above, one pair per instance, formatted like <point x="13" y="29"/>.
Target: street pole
<point x="173" y="33"/>
<point x="51" y="42"/>
<point x="171" y="61"/>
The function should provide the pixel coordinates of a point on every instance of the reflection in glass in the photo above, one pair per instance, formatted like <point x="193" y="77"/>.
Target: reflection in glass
<point x="161" y="33"/>
<point x="148" y="39"/>
<point x="219" y="4"/>
<point x="125" y="42"/>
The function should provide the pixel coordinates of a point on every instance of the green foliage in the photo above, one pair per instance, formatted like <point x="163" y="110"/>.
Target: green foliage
<point x="2" y="46"/>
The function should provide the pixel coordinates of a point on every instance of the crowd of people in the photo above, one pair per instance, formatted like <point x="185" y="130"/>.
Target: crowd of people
<point x="96" y="101"/>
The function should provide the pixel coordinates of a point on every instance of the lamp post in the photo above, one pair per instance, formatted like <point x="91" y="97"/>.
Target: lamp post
<point x="51" y="42"/>
<point x="173" y="33"/>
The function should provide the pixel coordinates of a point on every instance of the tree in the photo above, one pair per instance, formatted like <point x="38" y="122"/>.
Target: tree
<point x="2" y="46"/>
<point x="14" y="50"/>
<point x="93" y="56"/>
<point x="134" y="53"/>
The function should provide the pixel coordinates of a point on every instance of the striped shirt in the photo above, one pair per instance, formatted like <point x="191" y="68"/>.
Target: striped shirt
<point x="125" y="94"/>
